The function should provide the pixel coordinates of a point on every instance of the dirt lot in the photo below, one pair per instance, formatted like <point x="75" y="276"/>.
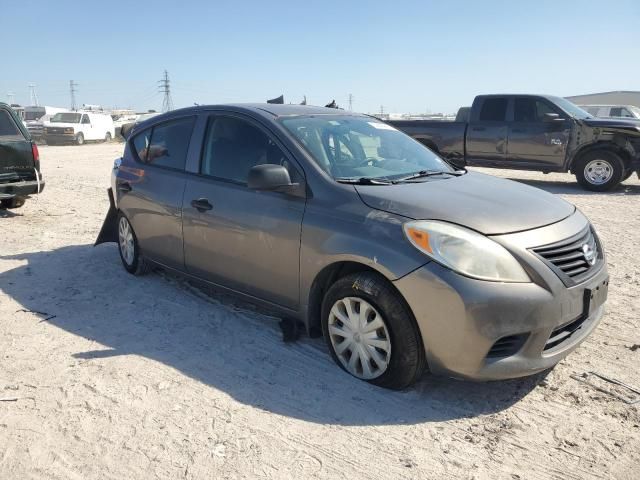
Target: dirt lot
<point x="103" y="375"/>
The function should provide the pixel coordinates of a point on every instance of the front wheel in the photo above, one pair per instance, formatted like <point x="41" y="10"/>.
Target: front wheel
<point x="599" y="170"/>
<point x="80" y="139"/>
<point x="129" y="248"/>
<point x="370" y="331"/>
<point x="107" y="137"/>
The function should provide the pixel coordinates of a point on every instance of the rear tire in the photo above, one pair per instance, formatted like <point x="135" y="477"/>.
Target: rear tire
<point x="80" y="139"/>
<point x="129" y="249"/>
<point x="400" y="360"/>
<point x="599" y="170"/>
<point x="15" y="202"/>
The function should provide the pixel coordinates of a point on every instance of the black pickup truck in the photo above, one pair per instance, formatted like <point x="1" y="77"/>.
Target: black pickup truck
<point x="19" y="161"/>
<point x="535" y="132"/>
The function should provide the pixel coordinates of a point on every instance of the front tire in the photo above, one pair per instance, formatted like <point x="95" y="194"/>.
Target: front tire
<point x="371" y="332"/>
<point x="107" y="137"/>
<point x="129" y="249"/>
<point x="80" y="139"/>
<point x="599" y="170"/>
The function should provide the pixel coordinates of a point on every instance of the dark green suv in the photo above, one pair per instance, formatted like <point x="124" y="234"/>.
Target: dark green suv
<point x="19" y="161"/>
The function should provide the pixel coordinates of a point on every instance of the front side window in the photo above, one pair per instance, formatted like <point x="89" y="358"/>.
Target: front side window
<point x="85" y="119"/>
<point x="357" y="147"/>
<point x="233" y="146"/>
<point x="166" y="144"/>
<point x="494" y="110"/>
<point x="8" y="128"/>
<point x="530" y="110"/>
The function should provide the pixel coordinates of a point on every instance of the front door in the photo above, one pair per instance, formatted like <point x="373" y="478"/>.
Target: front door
<point x="236" y="237"/>
<point x="534" y="139"/>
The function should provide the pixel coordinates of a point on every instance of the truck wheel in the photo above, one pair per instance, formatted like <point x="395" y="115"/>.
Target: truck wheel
<point x="370" y="331"/>
<point x="80" y="139"/>
<point x="599" y="170"/>
<point x="107" y="137"/>
<point x="15" y="202"/>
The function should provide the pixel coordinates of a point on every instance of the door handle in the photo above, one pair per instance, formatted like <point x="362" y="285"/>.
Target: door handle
<point x="201" y="204"/>
<point x="124" y="187"/>
<point x="478" y="129"/>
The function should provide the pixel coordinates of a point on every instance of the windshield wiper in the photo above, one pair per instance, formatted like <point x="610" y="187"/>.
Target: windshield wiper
<point x="427" y="173"/>
<point x="363" y="181"/>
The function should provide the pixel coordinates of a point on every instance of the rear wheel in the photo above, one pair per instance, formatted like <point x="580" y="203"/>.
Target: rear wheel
<point x="129" y="248"/>
<point x="370" y="331"/>
<point x="599" y="170"/>
<point x="80" y="139"/>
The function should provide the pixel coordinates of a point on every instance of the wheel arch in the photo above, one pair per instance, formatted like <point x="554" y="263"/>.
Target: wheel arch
<point x="623" y="153"/>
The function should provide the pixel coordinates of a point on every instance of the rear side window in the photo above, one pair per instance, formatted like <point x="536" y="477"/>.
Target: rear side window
<point x="494" y="110"/>
<point x="165" y="145"/>
<point x="8" y="128"/>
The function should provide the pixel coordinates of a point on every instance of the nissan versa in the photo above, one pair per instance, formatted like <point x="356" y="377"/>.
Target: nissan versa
<point x="342" y="222"/>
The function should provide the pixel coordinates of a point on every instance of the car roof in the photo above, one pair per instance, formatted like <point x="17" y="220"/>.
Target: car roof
<point x="269" y="109"/>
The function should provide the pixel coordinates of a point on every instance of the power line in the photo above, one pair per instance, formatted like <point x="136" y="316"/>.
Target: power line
<point x="33" y="95"/>
<point x="72" y="91"/>
<point x="165" y="87"/>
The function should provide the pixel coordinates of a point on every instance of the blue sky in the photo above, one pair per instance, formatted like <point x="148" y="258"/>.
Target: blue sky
<point x="410" y="56"/>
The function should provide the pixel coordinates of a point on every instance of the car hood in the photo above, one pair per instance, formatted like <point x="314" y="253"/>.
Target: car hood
<point x="481" y="202"/>
<point x="630" y="125"/>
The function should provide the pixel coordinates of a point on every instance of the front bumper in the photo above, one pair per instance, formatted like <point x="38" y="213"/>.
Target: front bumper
<point x="461" y="319"/>
<point x="20" y="189"/>
<point x="59" y="137"/>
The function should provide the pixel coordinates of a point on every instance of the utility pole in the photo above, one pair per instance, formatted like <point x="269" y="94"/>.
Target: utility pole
<point x="33" y="95"/>
<point x="10" y="96"/>
<point x="351" y="102"/>
<point x="72" y="91"/>
<point x="381" y="109"/>
<point x="165" y="87"/>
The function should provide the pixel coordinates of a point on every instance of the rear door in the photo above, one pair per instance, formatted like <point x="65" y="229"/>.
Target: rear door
<point x="486" y="140"/>
<point x="16" y="155"/>
<point x="535" y="140"/>
<point x="151" y="195"/>
<point x="234" y="236"/>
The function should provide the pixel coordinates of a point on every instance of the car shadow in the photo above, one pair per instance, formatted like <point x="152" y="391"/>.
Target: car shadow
<point x="573" y="188"/>
<point x="228" y="345"/>
<point x="8" y="213"/>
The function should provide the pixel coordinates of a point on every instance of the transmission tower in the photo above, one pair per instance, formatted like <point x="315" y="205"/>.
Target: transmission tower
<point x="33" y="95"/>
<point x="72" y="91"/>
<point x="381" y="109"/>
<point x="165" y="88"/>
<point x="351" y="102"/>
<point x="10" y="97"/>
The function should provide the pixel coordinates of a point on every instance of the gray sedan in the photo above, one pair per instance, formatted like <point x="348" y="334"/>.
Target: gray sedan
<point x="340" y="221"/>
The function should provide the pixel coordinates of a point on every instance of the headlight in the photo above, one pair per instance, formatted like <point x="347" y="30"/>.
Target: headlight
<point x="465" y="251"/>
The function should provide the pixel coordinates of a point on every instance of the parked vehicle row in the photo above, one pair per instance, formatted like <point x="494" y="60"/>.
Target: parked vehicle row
<point x="19" y="161"/>
<point x="344" y="223"/>
<point x="535" y="132"/>
<point x="613" y="111"/>
<point x="78" y="128"/>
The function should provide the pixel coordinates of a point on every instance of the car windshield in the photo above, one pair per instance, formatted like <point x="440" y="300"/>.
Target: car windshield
<point x="33" y="114"/>
<point x="350" y="147"/>
<point x="571" y="108"/>
<point x="66" y="118"/>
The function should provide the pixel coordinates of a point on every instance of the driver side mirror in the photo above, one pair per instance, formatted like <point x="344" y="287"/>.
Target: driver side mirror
<point x="552" y="117"/>
<point x="273" y="178"/>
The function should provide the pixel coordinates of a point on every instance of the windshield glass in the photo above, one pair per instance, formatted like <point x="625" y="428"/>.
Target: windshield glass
<point x="66" y="118"/>
<point x="362" y="147"/>
<point x="571" y="108"/>
<point x="33" y="114"/>
<point x="634" y="110"/>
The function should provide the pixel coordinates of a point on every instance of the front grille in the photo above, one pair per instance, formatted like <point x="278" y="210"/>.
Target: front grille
<point x="507" y="346"/>
<point x="574" y="257"/>
<point x="55" y="130"/>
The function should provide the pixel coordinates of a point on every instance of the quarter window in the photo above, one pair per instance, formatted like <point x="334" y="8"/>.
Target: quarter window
<point x="233" y="146"/>
<point x="8" y="128"/>
<point x="493" y="110"/>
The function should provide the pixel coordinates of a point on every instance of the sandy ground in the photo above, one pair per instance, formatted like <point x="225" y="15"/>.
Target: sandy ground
<point x="103" y="375"/>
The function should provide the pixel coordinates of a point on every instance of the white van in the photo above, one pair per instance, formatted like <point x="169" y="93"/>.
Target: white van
<point x="613" y="111"/>
<point x="78" y="128"/>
